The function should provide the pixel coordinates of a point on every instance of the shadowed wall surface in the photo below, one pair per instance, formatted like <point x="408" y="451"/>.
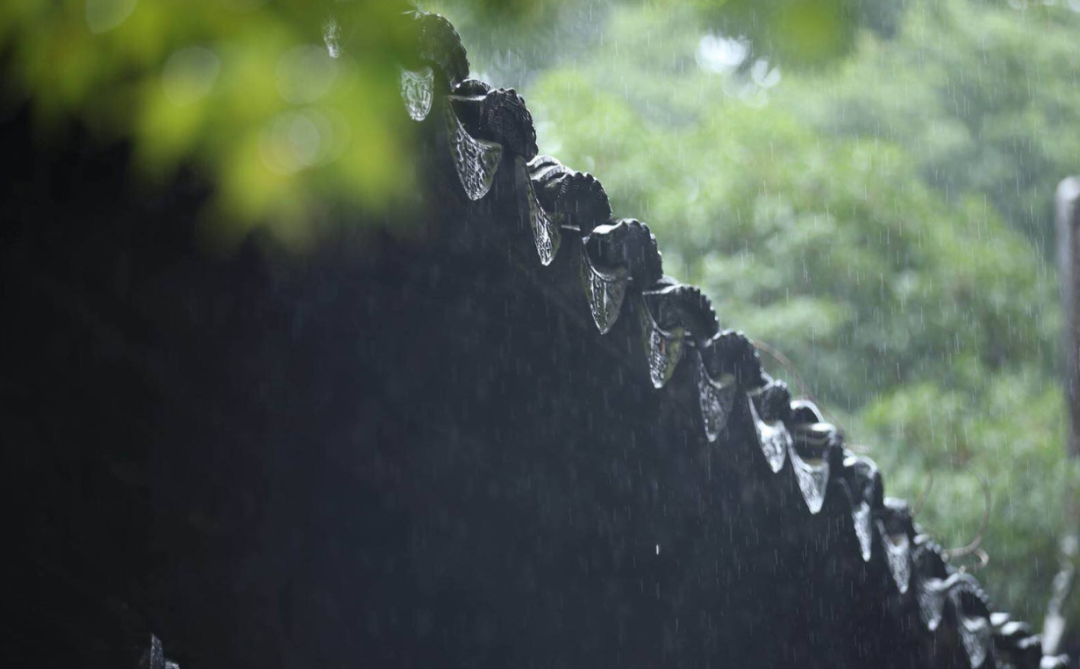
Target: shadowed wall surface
<point x="387" y="452"/>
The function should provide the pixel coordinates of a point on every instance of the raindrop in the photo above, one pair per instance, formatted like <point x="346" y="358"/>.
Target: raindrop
<point x="545" y="233"/>
<point x="475" y="160"/>
<point x="716" y="399"/>
<point x="417" y="90"/>
<point x="773" y="438"/>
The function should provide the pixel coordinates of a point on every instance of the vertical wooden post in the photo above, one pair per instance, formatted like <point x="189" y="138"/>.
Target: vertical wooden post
<point x="1068" y="243"/>
<point x="1068" y="246"/>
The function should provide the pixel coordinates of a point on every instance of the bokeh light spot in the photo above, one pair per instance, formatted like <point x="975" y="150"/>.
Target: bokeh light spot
<point x="103" y="15"/>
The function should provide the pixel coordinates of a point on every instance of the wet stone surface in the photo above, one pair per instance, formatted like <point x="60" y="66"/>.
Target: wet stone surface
<point x="812" y="478"/>
<point x="898" y="556"/>
<point x="716" y="399"/>
<point x="475" y="160"/>
<point x="663" y="349"/>
<point x="545" y="230"/>
<point x="417" y="91"/>
<point x="604" y="291"/>
<point x="773" y="439"/>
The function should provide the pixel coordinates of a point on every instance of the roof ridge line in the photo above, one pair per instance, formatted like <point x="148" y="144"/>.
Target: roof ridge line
<point x="620" y="258"/>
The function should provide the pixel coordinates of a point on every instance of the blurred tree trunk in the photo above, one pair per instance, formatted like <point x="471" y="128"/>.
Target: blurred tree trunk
<point x="1068" y="240"/>
<point x="1068" y="222"/>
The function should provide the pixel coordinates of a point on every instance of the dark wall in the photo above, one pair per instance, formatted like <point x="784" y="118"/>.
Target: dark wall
<point x="382" y="453"/>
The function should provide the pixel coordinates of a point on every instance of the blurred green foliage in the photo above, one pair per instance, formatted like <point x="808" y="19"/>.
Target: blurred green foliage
<point x="243" y="90"/>
<point x="246" y="91"/>
<point x="514" y="39"/>
<point x="884" y="219"/>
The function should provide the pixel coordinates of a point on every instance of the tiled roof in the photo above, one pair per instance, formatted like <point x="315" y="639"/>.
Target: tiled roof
<point x="486" y="130"/>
